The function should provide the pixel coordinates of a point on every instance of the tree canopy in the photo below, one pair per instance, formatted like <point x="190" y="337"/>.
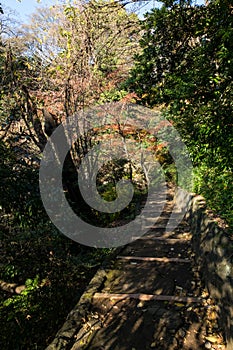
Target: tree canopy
<point x="186" y="65"/>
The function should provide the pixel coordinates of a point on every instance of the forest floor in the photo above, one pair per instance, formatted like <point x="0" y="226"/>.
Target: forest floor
<point x="150" y="296"/>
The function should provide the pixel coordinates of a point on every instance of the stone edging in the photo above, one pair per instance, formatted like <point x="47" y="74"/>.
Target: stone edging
<point x="65" y="336"/>
<point x="213" y="249"/>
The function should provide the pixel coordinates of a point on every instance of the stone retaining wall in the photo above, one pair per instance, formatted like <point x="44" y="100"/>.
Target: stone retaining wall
<point x="213" y="248"/>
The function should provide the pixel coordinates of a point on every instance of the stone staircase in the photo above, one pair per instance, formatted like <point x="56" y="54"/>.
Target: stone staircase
<point x="149" y="296"/>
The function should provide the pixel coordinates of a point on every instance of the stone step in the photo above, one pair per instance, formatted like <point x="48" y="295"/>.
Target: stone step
<point x="162" y="259"/>
<point x="164" y="276"/>
<point x="180" y="240"/>
<point x="158" y="248"/>
<point x="148" y="297"/>
<point x="162" y="234"/>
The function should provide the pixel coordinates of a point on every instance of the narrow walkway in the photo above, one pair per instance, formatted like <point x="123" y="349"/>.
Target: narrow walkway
<point x="152" y="298"/>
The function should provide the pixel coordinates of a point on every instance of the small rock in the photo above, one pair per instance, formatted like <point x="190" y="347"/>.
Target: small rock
<point x="208" y="345"/>
<point x="153" y="345"/>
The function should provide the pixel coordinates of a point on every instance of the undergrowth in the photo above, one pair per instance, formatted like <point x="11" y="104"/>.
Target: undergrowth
<point x="217" y="187"/>
<point x="54" y="271"/>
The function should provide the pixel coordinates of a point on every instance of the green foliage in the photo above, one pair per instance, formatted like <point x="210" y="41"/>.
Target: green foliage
<point x="217" y="187"/>
<point x="59" y="268"/>
<point x="53" y="269"/>
<point x="112" y="95"/>
<point x="55" y="272"/>
<point x="19" y="191"/>
<point x="186" y="64"/>
<point x="107" y="179"/>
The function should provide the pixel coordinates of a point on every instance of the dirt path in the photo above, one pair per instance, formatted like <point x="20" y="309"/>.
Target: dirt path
<point x="151" y="297"/>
